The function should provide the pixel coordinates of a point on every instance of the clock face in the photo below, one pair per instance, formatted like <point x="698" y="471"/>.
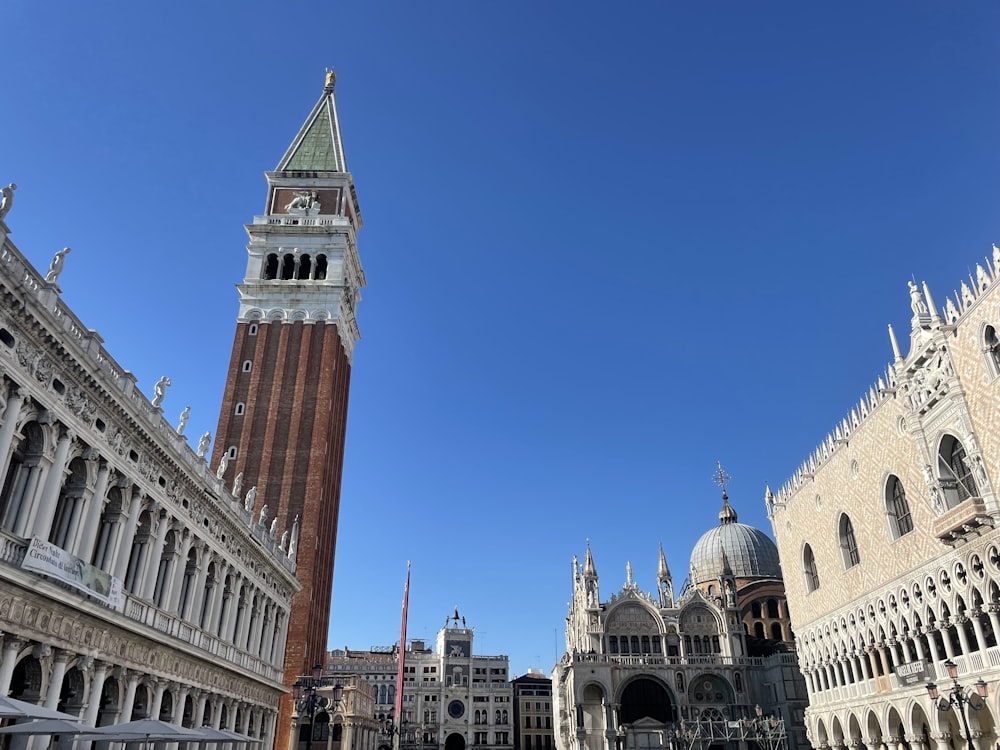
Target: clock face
<point x="456" y="709"/>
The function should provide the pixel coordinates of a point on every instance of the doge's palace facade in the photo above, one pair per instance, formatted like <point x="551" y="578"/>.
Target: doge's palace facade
<point x="133" y="582"/>
<point x="887" y="536"/>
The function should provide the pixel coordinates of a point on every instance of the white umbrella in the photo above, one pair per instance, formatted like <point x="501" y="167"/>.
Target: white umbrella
<point x="11" y="708"/>
<point x="47" y="726"/>
<point x="145" y="729"/>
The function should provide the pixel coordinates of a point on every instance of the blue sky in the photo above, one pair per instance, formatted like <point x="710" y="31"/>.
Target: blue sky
<point x="605" y="246"/>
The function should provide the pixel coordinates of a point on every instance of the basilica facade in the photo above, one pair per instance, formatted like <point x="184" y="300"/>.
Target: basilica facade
<point x="713" y="667"/>
<point x="887" y="535"/>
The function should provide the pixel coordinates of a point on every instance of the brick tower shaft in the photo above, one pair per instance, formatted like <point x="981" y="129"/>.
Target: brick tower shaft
<point x="284" y="411"/>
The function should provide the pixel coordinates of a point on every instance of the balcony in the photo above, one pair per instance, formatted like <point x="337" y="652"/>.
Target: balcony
<point x="966" y="520"/>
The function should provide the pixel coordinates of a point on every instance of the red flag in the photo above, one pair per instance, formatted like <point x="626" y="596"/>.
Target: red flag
<point x="402" y="651"/>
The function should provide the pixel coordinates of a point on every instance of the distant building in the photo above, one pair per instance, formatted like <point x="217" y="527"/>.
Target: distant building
<point x="133" y="581"/>
<point x="888" y="535"/>
<point x="647" y="670"/>
<point x="453" y="699"/>
<point x="533" y="712"/>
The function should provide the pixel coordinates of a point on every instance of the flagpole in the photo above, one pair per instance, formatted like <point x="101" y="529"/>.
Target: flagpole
<point x="398" y="734"/>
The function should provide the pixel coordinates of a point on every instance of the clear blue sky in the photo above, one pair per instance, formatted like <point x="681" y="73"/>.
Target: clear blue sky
<point x="606" y="246"/>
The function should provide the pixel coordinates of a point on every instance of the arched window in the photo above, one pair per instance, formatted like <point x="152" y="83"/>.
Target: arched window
<point x="776" y="631"/>
<point x="271" y="268"/>
<point x="848" y="542"/>
<point x="755" y="609"/>
<point x="772" y="608"/>
<point x="758" y="630"/>
<point x="809" y="569"/>
<point x="897" y="508"/>
<point x="955" y="472"/>
<point x="613" y="644"/>
<point x="991" y="348"/>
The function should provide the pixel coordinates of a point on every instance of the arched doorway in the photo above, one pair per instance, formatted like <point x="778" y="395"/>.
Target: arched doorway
<point x="454" y="741"/>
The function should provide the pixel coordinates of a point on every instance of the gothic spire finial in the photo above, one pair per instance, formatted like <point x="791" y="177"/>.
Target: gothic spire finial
<point x="588" y="563"/>
<point x="662" y="571"/>
<point x="896" y="353"/>
<point x="331" y="79"/>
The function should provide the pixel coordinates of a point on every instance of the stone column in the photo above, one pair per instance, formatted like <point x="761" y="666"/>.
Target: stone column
<point x="850" y="669"/>
<point x="177" y="573"/>
<point x="268" y="637"/>
<point x="232" y="602"/>
<point x="53" y="483"/>
<point x="94" y="695"/>
<point x="280" y="636"/>
<point x="26" y="494"/>
<point x="59" y="662"/>
<point x="907" y="652"/>
<point x="152" y="564"/>
<point x="932" y="642"/>
<point x="10" y="416"/>
<point x="963" y="637"/>
<point x="12" y="645"/>
<point x="949" y="649"/>
<point x="199" y="709"/>
<point x="123" y="546"/>
<point x="198" y="591"/>
<point x="83" y="545"/>
<point x="128" y="702"/>
<point x="977" y="626"/>
<point x="154" y="709"/>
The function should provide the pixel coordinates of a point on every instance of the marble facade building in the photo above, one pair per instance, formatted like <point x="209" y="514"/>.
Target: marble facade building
<point x="133" y="582"/>
<point x="647" y="670"/>
<point x="141" y="577"/>
<point x="887" y="535"/>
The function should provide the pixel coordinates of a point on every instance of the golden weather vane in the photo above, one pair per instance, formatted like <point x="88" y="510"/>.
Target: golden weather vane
<point x="721" y="477"/>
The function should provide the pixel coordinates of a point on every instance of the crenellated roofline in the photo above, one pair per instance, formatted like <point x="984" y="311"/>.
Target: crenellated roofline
<point x="925" y="319"/>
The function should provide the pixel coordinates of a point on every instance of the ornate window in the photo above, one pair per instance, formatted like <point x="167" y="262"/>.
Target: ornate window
<point x="848" y="542"/>
<point x="809" y="569"/>
<point x="896" y="507"/>
<point x="955" y="472"/>
<point x="991" y="348"/>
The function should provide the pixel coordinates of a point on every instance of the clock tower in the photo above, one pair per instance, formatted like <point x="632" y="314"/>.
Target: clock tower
<point x="284" y="411"/>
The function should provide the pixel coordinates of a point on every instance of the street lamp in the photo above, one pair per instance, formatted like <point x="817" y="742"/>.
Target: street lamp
<point x="959" y="697"/>
<point x="387" y="726"/>
<point x="769" y="731"/>
<point x="307" y="701"/>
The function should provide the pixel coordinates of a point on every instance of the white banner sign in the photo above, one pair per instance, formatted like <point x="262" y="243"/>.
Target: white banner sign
<point x="55" y="562"/>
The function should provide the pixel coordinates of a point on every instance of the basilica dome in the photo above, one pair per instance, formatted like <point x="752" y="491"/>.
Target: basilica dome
<point x="733" y="549"/>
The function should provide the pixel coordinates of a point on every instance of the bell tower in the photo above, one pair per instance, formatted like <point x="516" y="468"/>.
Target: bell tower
<point x="284" y="411"/>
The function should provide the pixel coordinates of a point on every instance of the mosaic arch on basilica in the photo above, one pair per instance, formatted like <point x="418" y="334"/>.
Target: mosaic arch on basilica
<point x="651" y="670"/>
<point x="887" y="536"/>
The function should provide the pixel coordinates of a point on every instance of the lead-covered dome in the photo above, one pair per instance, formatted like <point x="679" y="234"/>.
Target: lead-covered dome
<point x="733" y="549"/>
